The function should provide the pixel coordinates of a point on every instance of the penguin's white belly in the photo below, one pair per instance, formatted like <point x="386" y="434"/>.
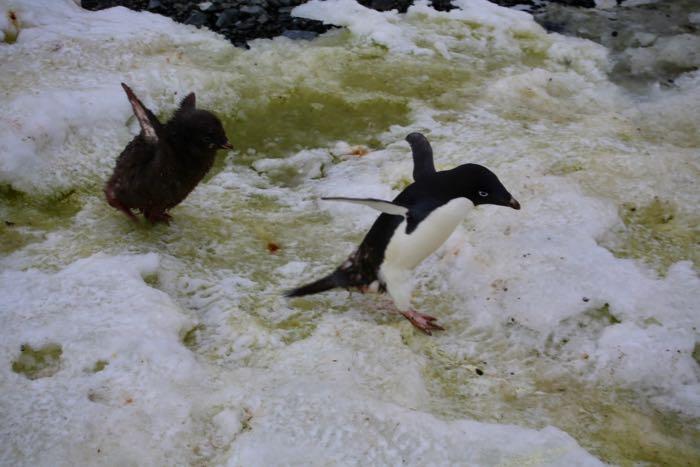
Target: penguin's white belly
<point x="406" y="251"/>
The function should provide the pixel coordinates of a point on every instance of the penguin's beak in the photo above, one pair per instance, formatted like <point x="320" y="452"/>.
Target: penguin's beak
<point x="226" y="145"/>
<point x="513" y="203"/>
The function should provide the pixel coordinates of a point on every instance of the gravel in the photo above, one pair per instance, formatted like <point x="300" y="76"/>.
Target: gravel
<point x="243" y="20"/>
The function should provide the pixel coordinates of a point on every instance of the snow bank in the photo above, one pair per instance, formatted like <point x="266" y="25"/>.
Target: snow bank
<point x="348" y="402"/>
<point x="69" y="129"/>
<point x="123" y="391"/>
<point x="214" y="367"/>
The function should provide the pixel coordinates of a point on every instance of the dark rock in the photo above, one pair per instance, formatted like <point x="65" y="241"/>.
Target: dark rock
<point x="537" y="5"/>
<point x="446" y="5"/>
<point x="197" y="18"/>
<point x="383" y="5"/>
<point x="227" y="18"/>
<point x="553" y="26"/>
<point x="213" y="7"/>
<point x="512" y="3"/>
<point x="253" y="10"/>
<point x="297" y="34"/>
<point x="247" y="24"/>
<point x="578" y="3"/>
<point x="243" y="20"/>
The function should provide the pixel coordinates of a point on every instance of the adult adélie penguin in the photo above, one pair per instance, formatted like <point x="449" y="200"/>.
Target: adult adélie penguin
<point x="411" y="227"/>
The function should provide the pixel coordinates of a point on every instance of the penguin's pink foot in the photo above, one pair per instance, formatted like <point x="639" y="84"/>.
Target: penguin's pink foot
<point x="115" y="203"/>
<point x="423" y="322"/>
<point x="158" y="216"/>
<point x="128" y="212"/>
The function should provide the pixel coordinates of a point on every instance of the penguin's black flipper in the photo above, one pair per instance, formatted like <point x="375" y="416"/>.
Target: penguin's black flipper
<point x="422" y="155"/>
<point x="414" y="214"/>
<point x="379" y="204"/>
<point x="151" y="128"/>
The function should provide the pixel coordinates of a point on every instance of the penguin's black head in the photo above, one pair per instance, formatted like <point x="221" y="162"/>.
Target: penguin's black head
<point x="206" y="130"/>
<point x="481" y="186"/>
<point x="200" y="128"/>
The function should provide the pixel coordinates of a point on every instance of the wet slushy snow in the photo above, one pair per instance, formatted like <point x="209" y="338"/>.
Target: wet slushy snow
<point x="571" y="324"/>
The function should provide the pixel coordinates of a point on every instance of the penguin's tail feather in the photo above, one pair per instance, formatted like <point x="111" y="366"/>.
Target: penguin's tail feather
<point x="335" y="279"/>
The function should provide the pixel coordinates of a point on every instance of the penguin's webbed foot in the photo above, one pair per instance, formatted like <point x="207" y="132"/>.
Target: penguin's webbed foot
<point x="158" y="216"/>
<point x="128" y="213"/>
<point x="115" y="203"/>
<point x="425" y="323"/>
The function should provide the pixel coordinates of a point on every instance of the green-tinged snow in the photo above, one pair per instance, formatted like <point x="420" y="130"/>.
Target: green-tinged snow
<point x="25" y="219"/>
<point x="659" y="233"/>
<point x="607" y="421"/>
<point x="37" y="363"/>
<point x="558" y="315"/>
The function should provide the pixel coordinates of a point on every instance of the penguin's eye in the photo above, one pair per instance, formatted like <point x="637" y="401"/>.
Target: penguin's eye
<point x="483" y="194"/>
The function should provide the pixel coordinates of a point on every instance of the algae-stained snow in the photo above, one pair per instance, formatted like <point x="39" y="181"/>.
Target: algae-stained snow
<point x="171" y="345"/>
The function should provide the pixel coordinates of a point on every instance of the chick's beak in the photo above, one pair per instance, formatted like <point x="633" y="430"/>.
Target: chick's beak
<point x="513" y="203"/>
<point x="226" y="145"/>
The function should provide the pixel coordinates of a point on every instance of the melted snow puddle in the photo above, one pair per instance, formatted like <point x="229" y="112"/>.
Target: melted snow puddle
<point x="175" y="342"/>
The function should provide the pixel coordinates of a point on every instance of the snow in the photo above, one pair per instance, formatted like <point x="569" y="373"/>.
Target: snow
<point x="98" y="308"/>
<point x="206" y="362"/>
<point x="364" y="22"/>
<point x="82" y="105"/>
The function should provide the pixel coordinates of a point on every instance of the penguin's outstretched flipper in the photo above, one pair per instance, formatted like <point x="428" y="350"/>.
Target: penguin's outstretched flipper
<point x="379" y="204"/>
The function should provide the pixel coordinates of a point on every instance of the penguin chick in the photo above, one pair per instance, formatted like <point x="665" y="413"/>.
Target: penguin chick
<point x="164" y="162"/>
<point x="411" y="227"/>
